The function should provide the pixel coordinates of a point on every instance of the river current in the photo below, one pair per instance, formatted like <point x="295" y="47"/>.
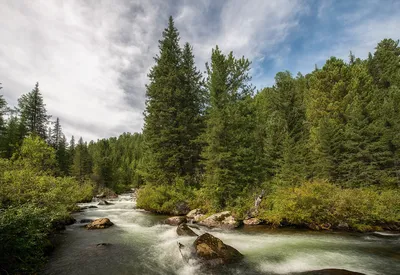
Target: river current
<point x="139" y="243"/>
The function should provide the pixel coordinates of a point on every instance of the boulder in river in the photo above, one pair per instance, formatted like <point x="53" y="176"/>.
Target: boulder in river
<point x="176" y="220"/>
<point x="99" y="224"/>
<point x="195" y="215"/>
<point x="184" y="230"/>
<point x="222" y="219"/>
<point x="101" y="195"/>
<point x="92" y="206"/>
<point x="104" y="202"/>
<point x="212" y="251"/>
<point x="252" y="221"/>
<point x="342" y="226"/>
<point x="181" y="208"/>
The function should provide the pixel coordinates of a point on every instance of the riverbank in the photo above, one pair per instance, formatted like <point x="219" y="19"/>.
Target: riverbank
<point x="313" y="205"/>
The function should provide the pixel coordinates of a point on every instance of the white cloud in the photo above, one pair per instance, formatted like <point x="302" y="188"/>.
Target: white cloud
<point x="92" y="57"/>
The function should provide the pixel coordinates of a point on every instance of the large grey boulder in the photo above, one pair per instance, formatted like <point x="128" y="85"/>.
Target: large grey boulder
<point x="184" y="230"/>
<point x="212" y="251"/>
<point x="222" y="219"/>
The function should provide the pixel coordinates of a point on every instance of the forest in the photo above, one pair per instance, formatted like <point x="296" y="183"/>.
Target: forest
<point x="323" y="147"/>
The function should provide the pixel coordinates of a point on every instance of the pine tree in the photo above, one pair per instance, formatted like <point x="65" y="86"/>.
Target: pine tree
<point x="173" y="113"/>
<point x="82" y="162"/>
<point x="34" y="116"/>
<point x="56" y="134"/>
<point x="229" y="154"/>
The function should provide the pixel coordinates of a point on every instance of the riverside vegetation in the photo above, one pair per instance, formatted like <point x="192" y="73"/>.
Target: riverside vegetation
<point x="325" y="148"/>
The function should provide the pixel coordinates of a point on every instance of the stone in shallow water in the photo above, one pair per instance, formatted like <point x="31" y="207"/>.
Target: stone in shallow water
<point x="99" y="224"/>
<point x="212" y="251"/>
<point x="252" y="221"/>
<point x="176" y="220"/>
<point x="222" y="219"/>
<point x="184" y="230"/>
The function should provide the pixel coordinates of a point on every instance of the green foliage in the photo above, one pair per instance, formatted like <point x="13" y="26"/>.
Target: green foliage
<point x="173" y="115"/>
<point x="34" y="116"/>
<point x="32" y="201"/>
<point x="23" y="241"/>
<point x="231" y="149"/>
<point x="164" y="199"/>
<point x="320" y="203"/>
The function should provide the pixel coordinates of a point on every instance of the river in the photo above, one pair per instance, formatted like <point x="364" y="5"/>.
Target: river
<point x="140" y="244"/>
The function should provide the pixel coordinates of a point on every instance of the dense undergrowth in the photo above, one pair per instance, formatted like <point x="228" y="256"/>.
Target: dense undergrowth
<point x="34" y="203"/>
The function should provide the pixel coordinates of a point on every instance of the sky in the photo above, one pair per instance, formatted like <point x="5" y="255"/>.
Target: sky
<point x="91" y="57"/>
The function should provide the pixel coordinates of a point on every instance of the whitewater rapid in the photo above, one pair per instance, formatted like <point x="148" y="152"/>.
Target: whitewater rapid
<point x="141" y="244"/>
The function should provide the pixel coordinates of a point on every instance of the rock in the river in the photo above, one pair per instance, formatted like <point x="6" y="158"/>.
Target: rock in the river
<point x="85" y="221"/>
<point x="104" y="202"/>
<point x="184" y="230"/>
<point x="222" y="219"/>
<point x="330" y="271"/>
<point x="176" y="220"/>
<point x="181" y="208"/>
<point x="195" y="215"/>
<point x="92" y="206"/>
<point x="59" y="224"/>
<point x="99" y="224"/>
<point x="252" y="221"/>
<point x="101" y="195"/>
<point x="212" y="251"/>
<point x="343" y="226"/>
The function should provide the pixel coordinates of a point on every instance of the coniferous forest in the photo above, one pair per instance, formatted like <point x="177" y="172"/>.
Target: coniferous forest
<point x="323" y="149"/>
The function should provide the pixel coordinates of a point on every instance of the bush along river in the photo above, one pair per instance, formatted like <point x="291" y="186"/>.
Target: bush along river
<point x="139" y="242"/>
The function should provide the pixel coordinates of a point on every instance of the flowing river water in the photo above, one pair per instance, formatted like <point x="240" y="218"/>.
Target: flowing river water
<point x="140" y="244"/>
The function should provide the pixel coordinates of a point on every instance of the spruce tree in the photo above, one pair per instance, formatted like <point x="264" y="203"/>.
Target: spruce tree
<point x="173" y="113"/>
<point x="33" y="112"/>
<point x="229" y="153"/>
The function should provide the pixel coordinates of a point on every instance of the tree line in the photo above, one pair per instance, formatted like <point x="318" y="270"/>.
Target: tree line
<point x="214" y="142"/>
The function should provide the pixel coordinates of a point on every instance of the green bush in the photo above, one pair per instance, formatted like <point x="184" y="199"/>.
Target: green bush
<point x="33" y="202"/>
<point x="164" y="199"/>
<point x="321" y="203"/>
<point x="23" y="238"/>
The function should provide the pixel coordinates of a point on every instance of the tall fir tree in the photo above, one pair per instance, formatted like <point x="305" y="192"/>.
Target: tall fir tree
<point x="33" y="112"/>
<point x="173" y="113"/>
<point x="230" y="153"/>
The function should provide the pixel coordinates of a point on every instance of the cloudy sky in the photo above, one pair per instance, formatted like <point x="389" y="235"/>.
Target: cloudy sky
<point x="91" y="57"/>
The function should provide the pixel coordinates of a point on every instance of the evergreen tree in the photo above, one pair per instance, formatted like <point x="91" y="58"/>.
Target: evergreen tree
<point x="82" y="162"/>
<point x="173" y="113"/>
<point x="34" y="116"/>
<point x="230" y="157"/>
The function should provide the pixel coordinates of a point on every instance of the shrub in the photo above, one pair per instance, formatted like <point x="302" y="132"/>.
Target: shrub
<point x="321" y="202"/>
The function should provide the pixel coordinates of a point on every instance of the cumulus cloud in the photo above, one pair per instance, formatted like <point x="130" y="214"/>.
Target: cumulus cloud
<point x="91" y="58"/>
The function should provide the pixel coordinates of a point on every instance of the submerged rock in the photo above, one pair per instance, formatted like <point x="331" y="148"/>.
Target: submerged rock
<point x="176" y="220"/>
<point x="212" y="251"/>
<point x="184" y="230"/>
<point x="104" y="202"/>
<point x="92" y="206"/>
<point x="99" y="224"/>
<point x="252" y="221"/>
<point x="222" y="219"/>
